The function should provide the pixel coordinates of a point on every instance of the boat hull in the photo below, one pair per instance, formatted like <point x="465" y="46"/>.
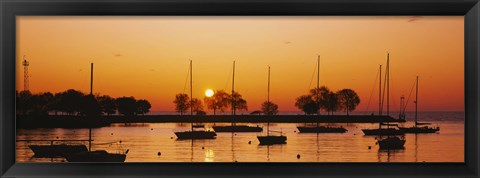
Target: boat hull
<point x="95" y="156"/>
<point x="322" y="129"/>
<point x="383" y="131"/>
<point x="195" y="135"/>
<point x="270" y="140"/>
<point x="237" y="128"/>
<point x="419" y="129"/>
<point x="50" y="151"/>
<point x="389" y="143"/>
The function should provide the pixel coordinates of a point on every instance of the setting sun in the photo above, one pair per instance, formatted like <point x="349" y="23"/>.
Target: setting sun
<point x="209" y="93"/>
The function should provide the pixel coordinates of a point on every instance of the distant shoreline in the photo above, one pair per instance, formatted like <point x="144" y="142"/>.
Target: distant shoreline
<point x="64" y="121"/>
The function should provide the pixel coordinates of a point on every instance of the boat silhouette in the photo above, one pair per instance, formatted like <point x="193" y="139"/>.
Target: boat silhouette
<point x="318" y="128"/>
<point x="52" y="151"/>
<point x="97" y="155"/>
<point x="424" y="126"/>
<point x="391" y="142"/>
<point x="271" y="139"/>
<point x="234" y="127"/>
<point x="195" y="134"/>
<point x="321" y="129"/>
<point x="192" y="133"/>
<point x="388" y="130"/>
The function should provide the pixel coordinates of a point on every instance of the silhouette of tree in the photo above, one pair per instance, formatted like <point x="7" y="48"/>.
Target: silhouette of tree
<point x="107" y="104"/>
<point x="181" y="103"/>
<point x="41" y="103"/>
<point x="219" y="101"/>
<point x="126" y="105"/>
<point x="90" y="106"/>
<point x="197" y="106"/>
<point x="306" y="104"/>
<point x="319" y="95"/>
<point x="23" y="102"/>
<point x="238" y="102"/>
<point x="55" y="104"/>
<point x="143" y="107"/>
<point x="348" y="99"/>
<point x="331" y="103"/>
<point x="269" y="108"/>
<point x="70" y="101"/>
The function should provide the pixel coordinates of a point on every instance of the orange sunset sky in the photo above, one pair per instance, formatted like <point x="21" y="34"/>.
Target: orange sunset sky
<point x="148" y="57"/>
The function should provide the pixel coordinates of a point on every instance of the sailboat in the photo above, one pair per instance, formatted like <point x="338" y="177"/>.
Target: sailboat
<point x="234" y="127"/>
<point x="60" y="150"/>
<point x="271" y="139"/>
<point x="97" y="155"/>
<point x="200" y="133"/>
<point x="416" y="128"/>
<point x="389" y="130"/>
<point x="391" y="142"/>
<point x="318" y="128"/>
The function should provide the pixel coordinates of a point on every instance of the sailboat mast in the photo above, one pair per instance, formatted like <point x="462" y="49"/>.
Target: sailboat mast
<point x="91" y="78"/>
<point x="318" y="72"/>
<point x="268" y="89"/>
<point x="268" y="101"/>
<point x="388" y="83"/>
<point x="191" y="93"/>
<point x="191" y="89"/>
<point x="416" y="102"/>
<point x="380" y="93"/>
<point x="318" y="84"/>
<point x="233" y="92"/>
<point x="91" y="91"/>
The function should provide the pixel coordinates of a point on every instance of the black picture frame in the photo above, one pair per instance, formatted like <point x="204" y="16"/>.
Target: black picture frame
<point x="9" y="9"/>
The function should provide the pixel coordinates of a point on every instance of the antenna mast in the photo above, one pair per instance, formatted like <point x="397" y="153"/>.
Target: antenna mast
<point x="402" y="108"/>
<point x="25" y="64"/>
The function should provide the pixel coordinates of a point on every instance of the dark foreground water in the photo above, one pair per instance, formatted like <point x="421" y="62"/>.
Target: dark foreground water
<point x="145" y="141"/>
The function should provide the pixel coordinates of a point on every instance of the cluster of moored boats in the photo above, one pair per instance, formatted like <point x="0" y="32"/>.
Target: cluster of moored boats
<point x="389" y="136"/>
<point x="77" y="152"/>
<point x="392" y="131"/>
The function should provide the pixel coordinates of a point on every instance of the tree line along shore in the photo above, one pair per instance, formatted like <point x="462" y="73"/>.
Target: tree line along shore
<point x="72" y="108"/>
<point x="75" y="103"/>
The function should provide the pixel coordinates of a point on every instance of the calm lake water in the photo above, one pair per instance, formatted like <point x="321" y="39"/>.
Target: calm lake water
<point x="145" y="141"/>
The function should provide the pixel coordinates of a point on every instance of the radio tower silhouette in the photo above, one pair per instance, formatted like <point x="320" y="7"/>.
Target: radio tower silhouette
<point x="25" y="64"/>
